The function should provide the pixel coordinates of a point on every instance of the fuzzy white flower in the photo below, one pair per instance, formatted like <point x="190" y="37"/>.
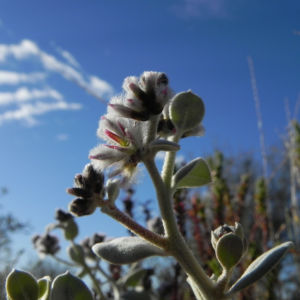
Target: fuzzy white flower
<point x="125" y="145"/>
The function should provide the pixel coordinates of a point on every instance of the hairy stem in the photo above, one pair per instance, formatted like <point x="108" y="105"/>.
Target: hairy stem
<point x="176" y="243"/>
<point x="136" y="228"/>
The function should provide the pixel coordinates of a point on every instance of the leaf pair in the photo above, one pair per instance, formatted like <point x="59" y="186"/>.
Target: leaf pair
<point x="21" y="285"/>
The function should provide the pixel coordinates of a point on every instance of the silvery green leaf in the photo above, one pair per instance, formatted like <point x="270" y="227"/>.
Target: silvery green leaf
<point x="68" y="287"/>
<point x="133" y="277"/>
<point x="194" y="174"/>
<point x="163" y="145"/>
<point x="21" y="285"/>
<point x="229" y="250"/>
<point x="135" y="295"/>
<point x="260" y="266"/>
<point x="126" y="250"/>
<point x="70" y="230"/>
<point x="44" y="288"/>
<point x="76" y="253"/>
<point x="186" y="111"/>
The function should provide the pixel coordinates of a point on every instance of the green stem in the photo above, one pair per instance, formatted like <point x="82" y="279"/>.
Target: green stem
<point x="176" y="243"/>
<point x="168" y="167"/>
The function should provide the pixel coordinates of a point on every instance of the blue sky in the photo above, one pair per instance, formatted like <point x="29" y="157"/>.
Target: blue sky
<point x="61" y="60"/>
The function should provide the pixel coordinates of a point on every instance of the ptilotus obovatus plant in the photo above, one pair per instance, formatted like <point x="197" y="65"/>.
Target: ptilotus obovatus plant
<point x="145" y="119"/>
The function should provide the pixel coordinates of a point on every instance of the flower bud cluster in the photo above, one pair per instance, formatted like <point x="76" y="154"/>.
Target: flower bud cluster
<point x="229" y="244"/>
<point x="144" y="97"/>
<point x="125" y="127"/>
<point x="46" y="244"/>
<point x="89" y="187"/>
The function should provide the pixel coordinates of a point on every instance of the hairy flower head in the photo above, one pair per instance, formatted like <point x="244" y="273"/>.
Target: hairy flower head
<point x="143" y="97"/>
<point x="125" y="145"/>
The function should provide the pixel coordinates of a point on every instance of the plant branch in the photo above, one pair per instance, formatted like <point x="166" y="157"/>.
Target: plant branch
<point x="136" y="228"/>
<point x="177" y="245"/>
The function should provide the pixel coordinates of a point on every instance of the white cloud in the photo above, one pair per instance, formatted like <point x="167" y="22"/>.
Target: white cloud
<point x="28" y="48"/>
<point x="202" y="8"/>
<point x="23" y="94"/>
<point x="28" y="103"/>
<point x="26" y="112"/>
<point x="13" y="78"/>
<point x="100" y="86"/>
<point x="69" y="57"/>
<point x="62" y="137"/>
<point x="20" y="51"/>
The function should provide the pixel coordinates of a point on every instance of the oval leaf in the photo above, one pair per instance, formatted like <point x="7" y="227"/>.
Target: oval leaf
<point x="133" y="277"/>
<point x="229" y="250"/>
<point x="21" y="285"/>
<point x="163" y="145"/>
<point x="44" y="288"/>
<point x="70" y="230"/>
<point x="186" y="111"/>
<point x="76" y="253"/>
<point x="194" y="174"/>
<point x="126" y="250"/>
<point x="68" y="287"/>
<point x="260" y="266"/>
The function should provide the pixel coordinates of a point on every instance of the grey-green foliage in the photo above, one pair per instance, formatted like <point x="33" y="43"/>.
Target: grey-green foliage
<point x="133" y="278"/>
<point x="21" y="285"/>
<point x="186" y="111"/>
<point x="260" y="266"/>
<point x="126" y="250"/>
<point x="44" y="288"/>
<point x="194" y="174"/>
<point x="69" y="287"/>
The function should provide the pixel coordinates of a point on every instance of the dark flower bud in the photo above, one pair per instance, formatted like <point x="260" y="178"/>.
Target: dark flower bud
<point x="88" y="183"/>
<point x="97" y="238"/>
<point x="89" y="242"/>
<point x="82" y="207"/>
<point x="46" y="244"/>
<point x="62" y="216"/>
<point x="79" y="192"/>
<point x="89" y="187"/>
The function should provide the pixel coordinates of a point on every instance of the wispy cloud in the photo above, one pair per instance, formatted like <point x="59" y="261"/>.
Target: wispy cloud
<point x="27" y="48"/>
<point x="13" y="78"/>
<point x="35" y="101"/>
<point x="27" y="112"/>
<point x="68" y="57"/>
<point x="23" y="94"/>
<point x="205" y="9"/>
